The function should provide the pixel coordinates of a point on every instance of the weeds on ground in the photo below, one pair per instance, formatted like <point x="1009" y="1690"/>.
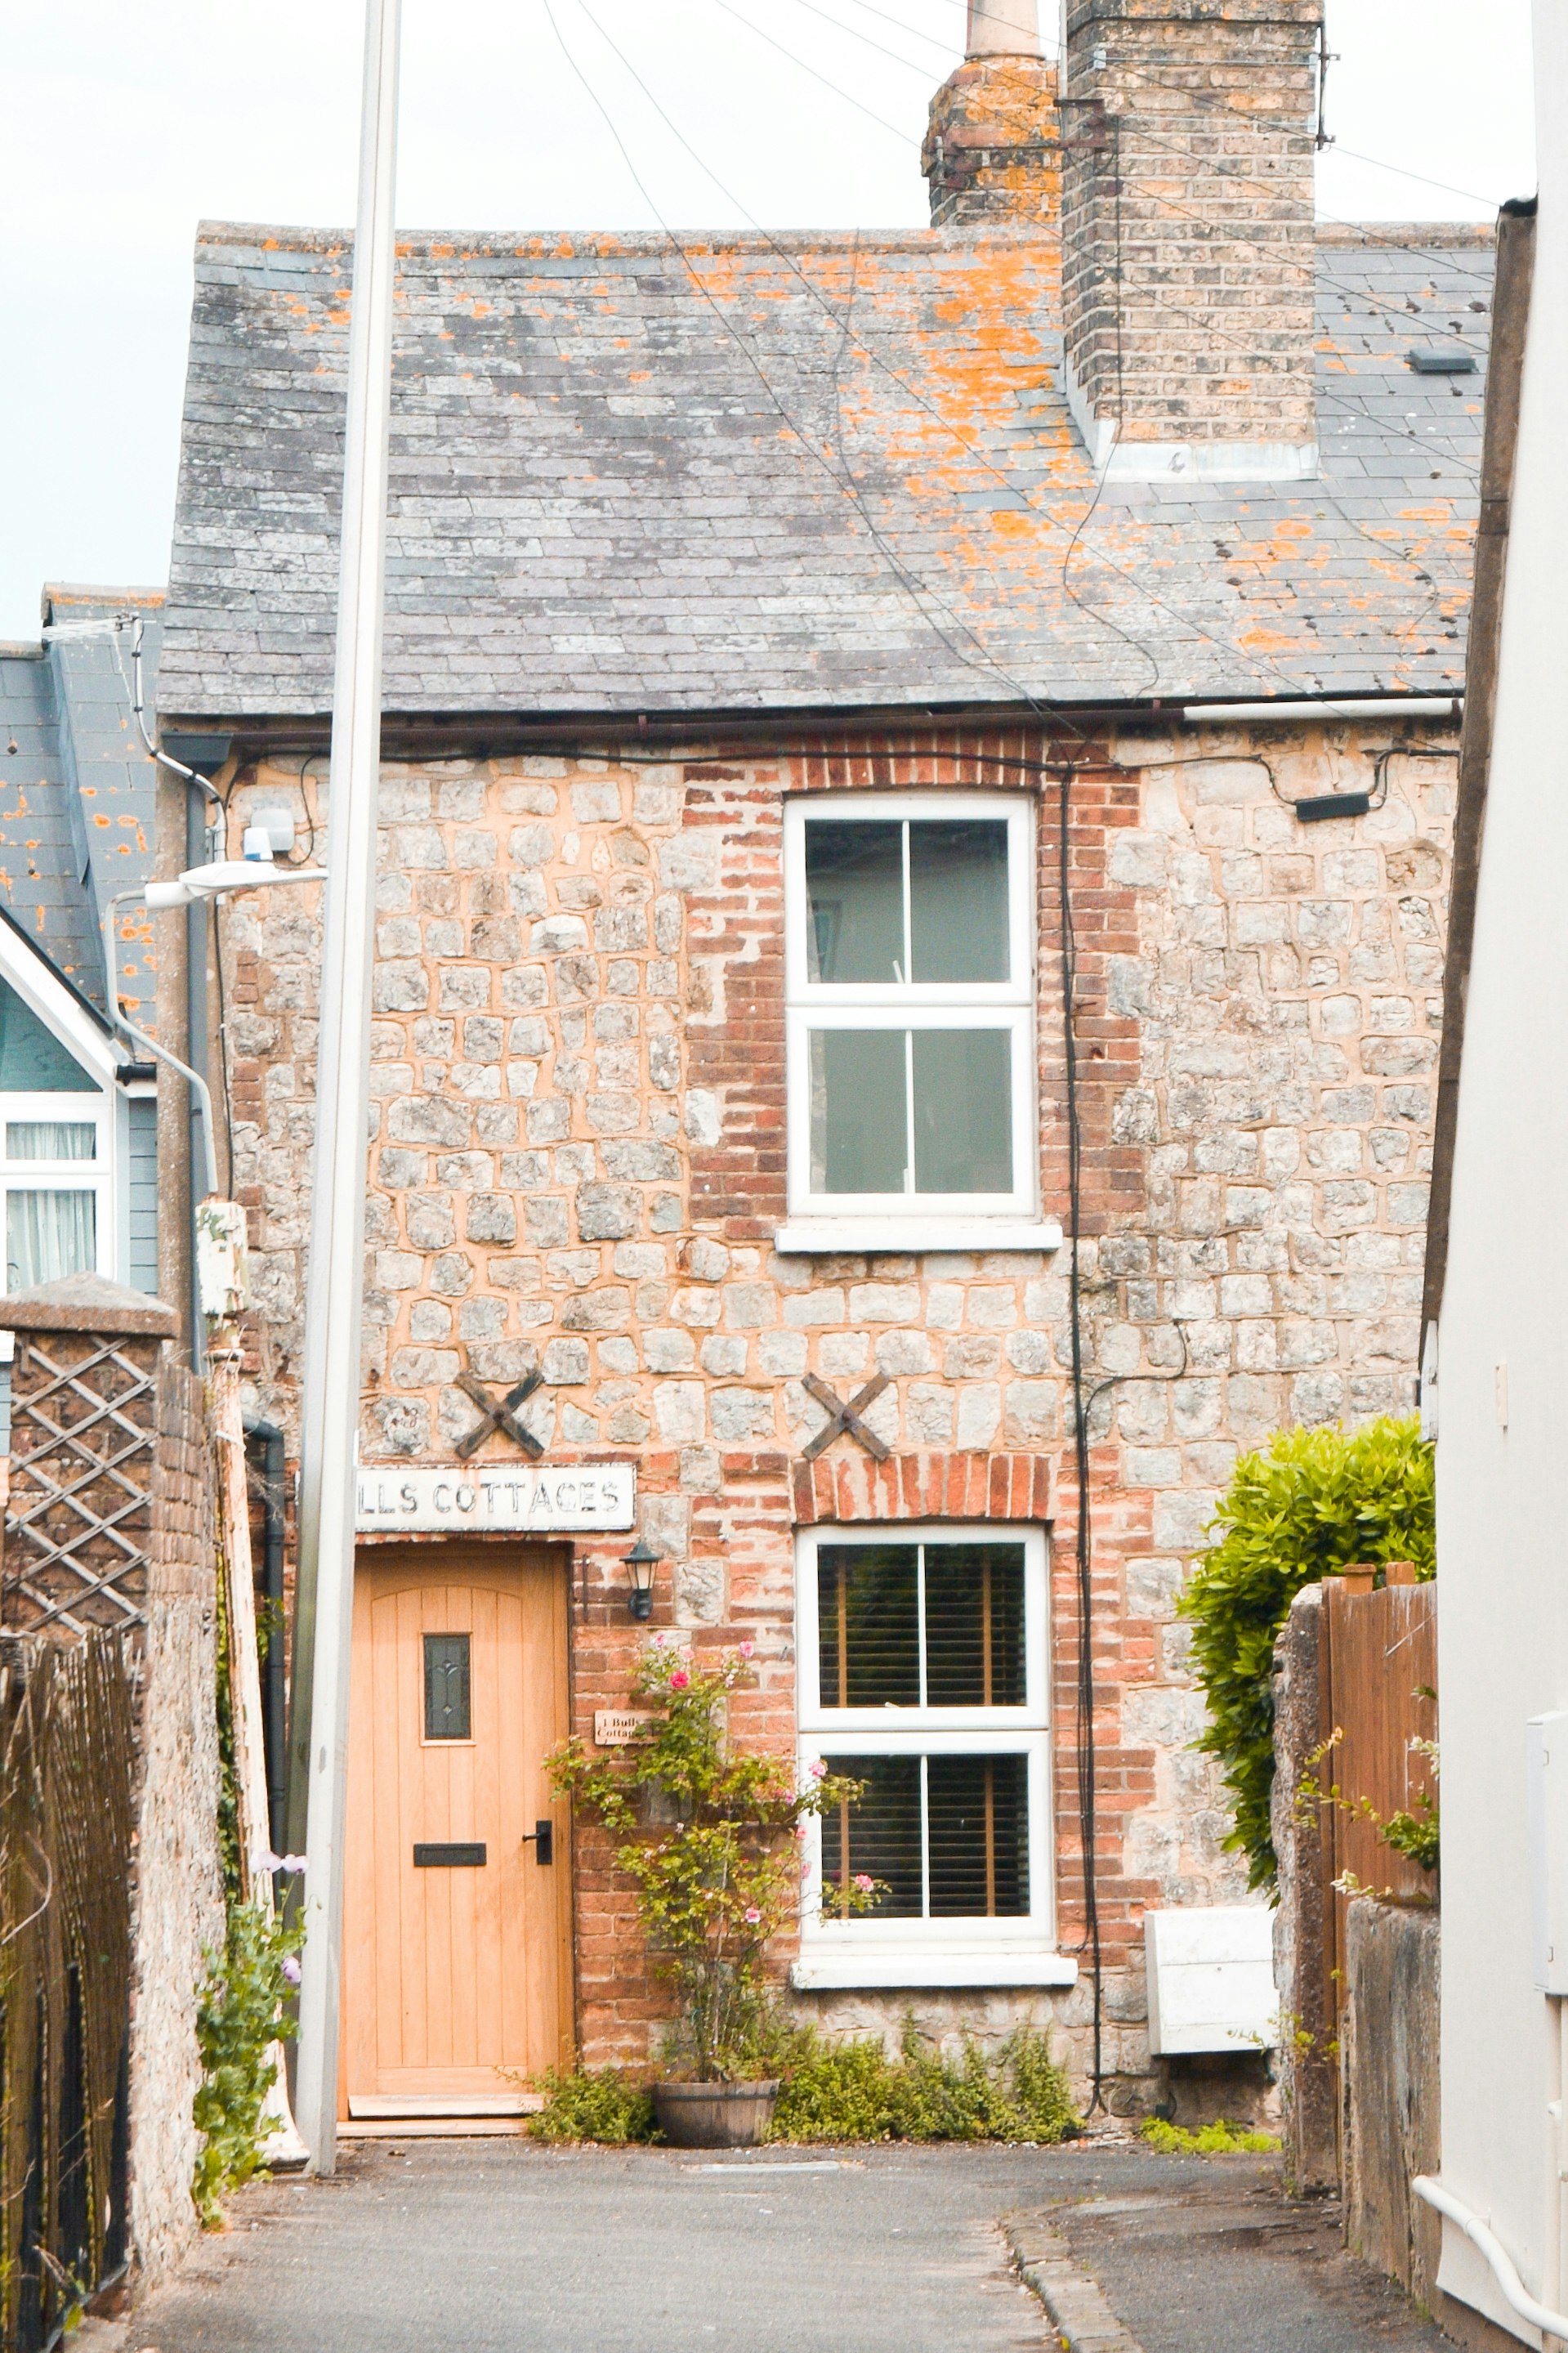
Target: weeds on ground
<point x="1218" y="2139"/>
<point x="602" y="2103"/>
<point x="241" y="2013"/>
<point x="851" y="2092"/>
<point x="854" y="2091"/>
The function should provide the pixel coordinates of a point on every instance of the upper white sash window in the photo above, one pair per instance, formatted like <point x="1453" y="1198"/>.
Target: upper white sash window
<point x="910" y="979"/>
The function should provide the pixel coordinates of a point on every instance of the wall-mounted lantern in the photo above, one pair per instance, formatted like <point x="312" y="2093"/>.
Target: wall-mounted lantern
<point x="642" y="1560"/>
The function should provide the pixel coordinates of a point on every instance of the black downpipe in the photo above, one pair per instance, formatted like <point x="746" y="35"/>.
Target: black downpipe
<point x="275" y="1694"/>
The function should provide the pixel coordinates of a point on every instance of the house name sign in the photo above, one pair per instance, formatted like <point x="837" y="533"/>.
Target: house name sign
<point x="515" y="1499"/>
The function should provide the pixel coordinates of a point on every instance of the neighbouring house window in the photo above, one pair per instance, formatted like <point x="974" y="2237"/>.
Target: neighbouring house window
<point x="56" y="1163"/>
<point x="922" y="1668"/>
<point x="54" y="1170"/>
<point x="910" y="980"/>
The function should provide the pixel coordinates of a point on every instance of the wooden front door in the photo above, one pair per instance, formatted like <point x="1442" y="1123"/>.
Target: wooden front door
<point x="456" y="1935"/>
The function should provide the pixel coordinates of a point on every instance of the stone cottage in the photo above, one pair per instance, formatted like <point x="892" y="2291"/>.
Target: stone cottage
<point x="917" y="791"/>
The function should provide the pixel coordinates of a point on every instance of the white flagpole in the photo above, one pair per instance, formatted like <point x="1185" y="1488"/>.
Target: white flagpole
<point x="318" y="1743"/>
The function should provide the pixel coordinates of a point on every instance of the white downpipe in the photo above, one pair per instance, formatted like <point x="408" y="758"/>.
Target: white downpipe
<point x="335" y="1281"/>
<point x="1515" y="2293"/>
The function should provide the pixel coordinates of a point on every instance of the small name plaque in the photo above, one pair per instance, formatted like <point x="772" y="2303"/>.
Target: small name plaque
<point x="616" y="1727"/>
<point x="518" y="1499"/>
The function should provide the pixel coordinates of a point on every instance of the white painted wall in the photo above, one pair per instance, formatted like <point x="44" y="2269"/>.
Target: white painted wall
<point x="1502" y="1491"/>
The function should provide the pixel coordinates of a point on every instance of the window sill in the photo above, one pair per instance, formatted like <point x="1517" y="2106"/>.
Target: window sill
<point x="807" y="1237"/>
<point x="826" y="1972"/>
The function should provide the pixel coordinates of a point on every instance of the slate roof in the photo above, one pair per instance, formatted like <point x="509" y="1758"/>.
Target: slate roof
<point x="76" y="787"/>
<point x="816" y="470"/>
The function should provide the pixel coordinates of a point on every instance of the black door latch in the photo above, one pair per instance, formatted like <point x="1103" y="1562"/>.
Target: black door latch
<point x="542" y="1835"/>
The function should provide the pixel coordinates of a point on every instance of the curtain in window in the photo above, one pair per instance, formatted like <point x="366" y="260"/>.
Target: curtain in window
<point x="49" y="1235"/>
<point x="50" y="1139"/>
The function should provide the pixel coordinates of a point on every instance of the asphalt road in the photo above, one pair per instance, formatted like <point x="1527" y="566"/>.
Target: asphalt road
<point x="493" y="2246"/>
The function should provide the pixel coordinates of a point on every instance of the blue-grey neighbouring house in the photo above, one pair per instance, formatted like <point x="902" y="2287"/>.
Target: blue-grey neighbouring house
<point x="78" y="1111"/>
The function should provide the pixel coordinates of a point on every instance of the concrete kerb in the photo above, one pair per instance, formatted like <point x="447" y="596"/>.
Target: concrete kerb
<point x="1075" y="2305"/>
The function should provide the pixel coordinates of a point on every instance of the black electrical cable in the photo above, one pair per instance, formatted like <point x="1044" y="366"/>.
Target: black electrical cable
<point x="916" y="587"/>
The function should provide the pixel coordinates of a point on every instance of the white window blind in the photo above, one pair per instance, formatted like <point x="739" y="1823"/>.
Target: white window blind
<point x="923" y="1680"/>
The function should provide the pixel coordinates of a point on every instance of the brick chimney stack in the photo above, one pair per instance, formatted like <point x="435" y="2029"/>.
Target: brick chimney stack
<point x="1188" y="241"/>
<point x="993" y="150"/>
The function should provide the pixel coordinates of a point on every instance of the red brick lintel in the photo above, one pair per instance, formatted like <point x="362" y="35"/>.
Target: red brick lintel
<point x="926" y="1486"/>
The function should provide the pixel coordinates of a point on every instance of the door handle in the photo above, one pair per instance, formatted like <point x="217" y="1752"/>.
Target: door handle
<point x="543" y="1837"/>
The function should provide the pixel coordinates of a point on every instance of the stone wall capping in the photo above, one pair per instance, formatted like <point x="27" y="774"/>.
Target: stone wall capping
<point x="86" y="1302"/>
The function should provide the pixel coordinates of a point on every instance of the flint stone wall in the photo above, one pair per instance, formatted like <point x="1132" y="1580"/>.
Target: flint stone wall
<point x="578" y="1163"/>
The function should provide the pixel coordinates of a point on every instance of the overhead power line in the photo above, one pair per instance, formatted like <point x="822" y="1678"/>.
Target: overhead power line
<point x="917" y="588"/>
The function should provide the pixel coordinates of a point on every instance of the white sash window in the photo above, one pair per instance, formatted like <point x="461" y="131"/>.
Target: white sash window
<point x="910" y="979"/>
<point x="922" y="1665"/>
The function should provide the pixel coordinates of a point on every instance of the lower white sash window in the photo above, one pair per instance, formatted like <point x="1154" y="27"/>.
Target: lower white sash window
<point x="922" y="1657"/>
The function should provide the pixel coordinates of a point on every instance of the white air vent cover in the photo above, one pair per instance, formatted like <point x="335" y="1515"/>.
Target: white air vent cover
<point x="1211" y="1979"/>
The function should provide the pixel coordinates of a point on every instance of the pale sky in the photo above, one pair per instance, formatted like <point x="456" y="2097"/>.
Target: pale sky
<point x="125" y="125"/>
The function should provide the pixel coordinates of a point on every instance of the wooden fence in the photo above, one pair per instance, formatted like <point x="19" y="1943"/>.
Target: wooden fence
<point x="1378" y="1661"/>
<point x="67" y="1822"/>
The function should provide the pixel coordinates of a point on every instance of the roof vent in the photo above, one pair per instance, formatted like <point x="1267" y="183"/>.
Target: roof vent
<point x="1439" y="363"/>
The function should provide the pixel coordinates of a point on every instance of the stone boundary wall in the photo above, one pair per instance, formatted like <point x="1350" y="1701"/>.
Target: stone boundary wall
<point x="1392" y="2102"/>
<point x="178" y="1919"/>
<point x="1307" y="2064"/>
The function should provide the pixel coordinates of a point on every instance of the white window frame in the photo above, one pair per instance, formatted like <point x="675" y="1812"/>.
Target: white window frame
<point x="99" y="1175"/>
<point x="1019" y="1951"/>
<point x="910" y="1220"/>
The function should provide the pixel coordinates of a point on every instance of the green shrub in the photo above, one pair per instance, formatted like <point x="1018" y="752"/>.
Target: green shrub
<point x="1314" y="1502"/>
<point x="848" y="2092"/>
<point x="600" y="2104"/>
<point x="1219" y="2139"/>
<point x="855" y="2092"/>
<point x="241" y="2014"/>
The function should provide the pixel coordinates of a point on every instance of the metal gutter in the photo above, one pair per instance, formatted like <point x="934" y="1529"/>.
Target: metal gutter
<point x="675" y="734"/>
<point x="1515" y="2293"/>
<point x="1293" y="713"/>
<point x="1499" y="440"/>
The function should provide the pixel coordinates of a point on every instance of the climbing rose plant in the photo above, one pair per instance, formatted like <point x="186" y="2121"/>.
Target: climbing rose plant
<point x="710" y="1841"/>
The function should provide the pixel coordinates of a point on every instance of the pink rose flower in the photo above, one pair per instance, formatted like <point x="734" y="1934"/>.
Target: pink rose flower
<point x="753" y="1914"/>
<point x="818" y="1768"/>
<point x="746" y="1649"/>
<point x="679" y="1679"/>
<point x="864" y="1883"/>
<point x="291" y="1967"/>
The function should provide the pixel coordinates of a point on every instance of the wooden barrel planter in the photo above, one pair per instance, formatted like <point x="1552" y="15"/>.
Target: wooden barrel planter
<point x="714" y="2116"/>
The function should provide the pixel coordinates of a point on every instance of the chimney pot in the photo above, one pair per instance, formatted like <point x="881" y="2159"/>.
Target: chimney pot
<point x="1004" y="29"/>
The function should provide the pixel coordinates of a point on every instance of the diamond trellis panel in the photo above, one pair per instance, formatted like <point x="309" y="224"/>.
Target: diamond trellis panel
<point x="95" y="1466"/>
<point x="84" y="1465"/>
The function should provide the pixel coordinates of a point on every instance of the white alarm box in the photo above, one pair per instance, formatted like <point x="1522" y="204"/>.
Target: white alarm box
<point x="1211" y="1979"/>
